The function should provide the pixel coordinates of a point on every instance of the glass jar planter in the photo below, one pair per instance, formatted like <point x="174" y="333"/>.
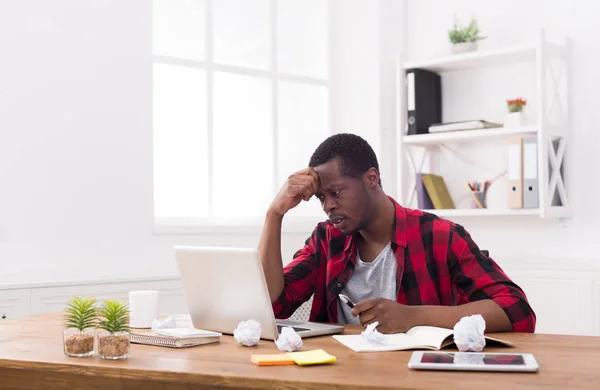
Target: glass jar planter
<point x="78" y="343"/>
<point x="113" y="345"/>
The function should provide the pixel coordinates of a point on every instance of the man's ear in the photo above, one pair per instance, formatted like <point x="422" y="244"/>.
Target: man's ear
<point x="371" y="178"/>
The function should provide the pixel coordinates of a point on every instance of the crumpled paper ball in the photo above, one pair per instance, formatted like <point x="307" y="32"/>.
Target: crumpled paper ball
<point x="247" y="333"/>
<point x="469" y="333"/>
<point x="289" y="340"/>
<point x="166" y="323"/>
<point x="371" y="333"/>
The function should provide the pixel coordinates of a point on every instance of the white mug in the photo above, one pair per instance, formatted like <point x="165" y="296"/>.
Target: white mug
<point x="143" y="308"/>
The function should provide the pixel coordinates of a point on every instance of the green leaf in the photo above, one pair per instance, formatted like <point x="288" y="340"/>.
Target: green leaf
<point x="80" y="313"/>
<point x="467" y="34"/>
<point x="115" y="316"/>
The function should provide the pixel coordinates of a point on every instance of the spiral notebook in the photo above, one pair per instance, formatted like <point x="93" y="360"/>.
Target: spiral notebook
<point x="151" y="338"/>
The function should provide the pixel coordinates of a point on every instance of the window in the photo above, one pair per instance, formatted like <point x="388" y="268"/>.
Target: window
<point x="241" y="97"/>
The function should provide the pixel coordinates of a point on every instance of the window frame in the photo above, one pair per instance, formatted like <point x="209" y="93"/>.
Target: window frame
<point x="243" y="225"/>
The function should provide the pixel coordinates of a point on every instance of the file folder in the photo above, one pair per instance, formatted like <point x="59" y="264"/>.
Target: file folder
<point x="423" y="199"/>
<point x="531" y="194"/>
<point x="515" y="172"/>
<point x="423" y="100"/>
<point x="437" y="190"/>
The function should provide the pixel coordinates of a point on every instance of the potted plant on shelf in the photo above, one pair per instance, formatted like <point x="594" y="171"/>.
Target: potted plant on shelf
<point x="464" y="39"/>
<point x="113" y="330"/>
<point x="515" y="115"/>
<point x="80" y="319"/>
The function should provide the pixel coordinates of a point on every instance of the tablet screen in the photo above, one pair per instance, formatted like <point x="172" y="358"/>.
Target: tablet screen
<point x="474" y="358"/>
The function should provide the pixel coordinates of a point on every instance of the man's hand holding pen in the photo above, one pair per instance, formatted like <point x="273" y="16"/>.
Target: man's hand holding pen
<point x="392" y="317"/>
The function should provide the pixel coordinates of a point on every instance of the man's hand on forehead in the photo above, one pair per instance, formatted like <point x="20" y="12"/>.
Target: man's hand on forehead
<point x="315" y="174"/>
<point x="299" y="186"/>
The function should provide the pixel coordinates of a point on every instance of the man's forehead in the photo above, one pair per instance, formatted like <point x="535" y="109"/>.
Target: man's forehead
<point x="330" y="168"/>
<point x="328" y="172"/>
<point x="330" y="175"/>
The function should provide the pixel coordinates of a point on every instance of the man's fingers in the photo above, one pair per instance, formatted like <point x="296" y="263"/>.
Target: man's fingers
<point x="314" y="174"/>
<point x="305" y="181"/>
<point x="367" y="318"/>
<point x="300" y="189"/>
<point x="384" y="330"/>
<point x="307" y="171"/>
<point x="363" y="306"/>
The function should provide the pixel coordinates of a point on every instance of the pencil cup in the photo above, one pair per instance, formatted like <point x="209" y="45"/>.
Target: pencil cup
<point x="478" y="200"/>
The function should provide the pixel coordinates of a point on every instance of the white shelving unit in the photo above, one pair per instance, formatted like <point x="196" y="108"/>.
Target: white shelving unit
<point x="471" y="135"/>
<point x="552" y="134"/>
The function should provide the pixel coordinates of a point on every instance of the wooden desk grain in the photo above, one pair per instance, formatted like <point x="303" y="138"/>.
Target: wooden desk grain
<point x="31" y="357"/>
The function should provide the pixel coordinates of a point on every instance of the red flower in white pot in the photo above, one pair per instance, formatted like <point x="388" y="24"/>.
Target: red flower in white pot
<point x="515" y="116"/>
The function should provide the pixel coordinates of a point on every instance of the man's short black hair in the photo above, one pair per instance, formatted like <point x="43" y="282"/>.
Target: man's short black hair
<point x="355" y="154"/>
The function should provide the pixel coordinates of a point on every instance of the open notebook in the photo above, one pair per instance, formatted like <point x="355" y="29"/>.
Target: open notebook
<point x="419" y="337"/>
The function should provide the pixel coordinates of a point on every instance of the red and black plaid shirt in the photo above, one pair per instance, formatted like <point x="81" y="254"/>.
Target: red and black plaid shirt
<point x="438" y="264"/>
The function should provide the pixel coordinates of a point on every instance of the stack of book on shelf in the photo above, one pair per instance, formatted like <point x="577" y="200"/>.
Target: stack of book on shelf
<point x="464" y="125"/>
<point x="432" y="192"/>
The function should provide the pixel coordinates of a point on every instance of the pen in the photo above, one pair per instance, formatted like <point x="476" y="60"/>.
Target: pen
<point x="347" y="301"/>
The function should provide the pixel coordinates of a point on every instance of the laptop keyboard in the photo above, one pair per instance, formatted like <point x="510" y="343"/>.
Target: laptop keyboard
<point x="296" y="328"/>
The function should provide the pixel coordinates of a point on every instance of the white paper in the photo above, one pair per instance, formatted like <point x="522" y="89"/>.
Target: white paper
<point x="247" y="333"/>
<point x="530" y="170"/>
<point x="410" y="89"/>
<point x="469" y="333"/>
<point x="167" y="323"/>
<point x="514" y="162"/>
<point x="186" y="333"/>
<point x="371" y="334"/>
<point x="289" y="340"/>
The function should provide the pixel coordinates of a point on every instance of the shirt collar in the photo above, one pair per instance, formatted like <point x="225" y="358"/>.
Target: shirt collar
<point x="399" y="227"/>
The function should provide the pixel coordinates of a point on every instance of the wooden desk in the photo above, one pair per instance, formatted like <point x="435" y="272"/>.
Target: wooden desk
<point x="31" y="357"/>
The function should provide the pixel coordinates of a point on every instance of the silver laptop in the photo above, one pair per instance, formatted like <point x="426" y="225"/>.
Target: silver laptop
<point x="224" y="286"/>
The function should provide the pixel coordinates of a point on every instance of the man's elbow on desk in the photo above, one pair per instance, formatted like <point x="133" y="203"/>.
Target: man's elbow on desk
<point x="518" y="310"/>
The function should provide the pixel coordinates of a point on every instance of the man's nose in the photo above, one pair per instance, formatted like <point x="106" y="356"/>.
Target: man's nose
<point x="329" y="204"/>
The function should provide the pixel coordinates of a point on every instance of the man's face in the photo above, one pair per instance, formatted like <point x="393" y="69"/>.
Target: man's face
<point x="346" y="201"/>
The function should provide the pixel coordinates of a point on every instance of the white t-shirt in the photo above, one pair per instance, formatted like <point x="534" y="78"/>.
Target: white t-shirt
<point x="375" y="279"/>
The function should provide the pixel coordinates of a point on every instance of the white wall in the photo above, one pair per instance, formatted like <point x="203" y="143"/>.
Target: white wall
<point x="76" y="143"/>
<point x="76" y="136"/>
<point x="367" y="35"/>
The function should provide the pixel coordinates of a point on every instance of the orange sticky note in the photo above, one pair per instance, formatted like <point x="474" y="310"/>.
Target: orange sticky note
<point x="280" y="359"/>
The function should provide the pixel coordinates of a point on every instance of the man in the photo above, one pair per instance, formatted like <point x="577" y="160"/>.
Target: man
<point x="402" y="267"/>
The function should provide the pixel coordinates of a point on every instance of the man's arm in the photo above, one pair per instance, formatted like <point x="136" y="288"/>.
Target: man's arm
<point x="299" y="277"/>
<point x="481" y="281"/>
<point x="300" y="186"/>
<point x="269" y="248"/>
<point x="495" y="318"/>
<point x="394" y="317"/>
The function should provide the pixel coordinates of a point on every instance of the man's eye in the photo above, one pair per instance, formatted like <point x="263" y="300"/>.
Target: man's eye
<point x="336" y="193"/>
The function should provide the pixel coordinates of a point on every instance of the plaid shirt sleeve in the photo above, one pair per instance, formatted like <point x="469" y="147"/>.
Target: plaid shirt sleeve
<point x="478" y="277"/>
<point x="300" y="278"/>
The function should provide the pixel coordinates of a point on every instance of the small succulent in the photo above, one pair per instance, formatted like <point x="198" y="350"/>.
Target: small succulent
<point x="81" y="313"/>
<point x="115" y="316"/>
<point x="467" y="34"/>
